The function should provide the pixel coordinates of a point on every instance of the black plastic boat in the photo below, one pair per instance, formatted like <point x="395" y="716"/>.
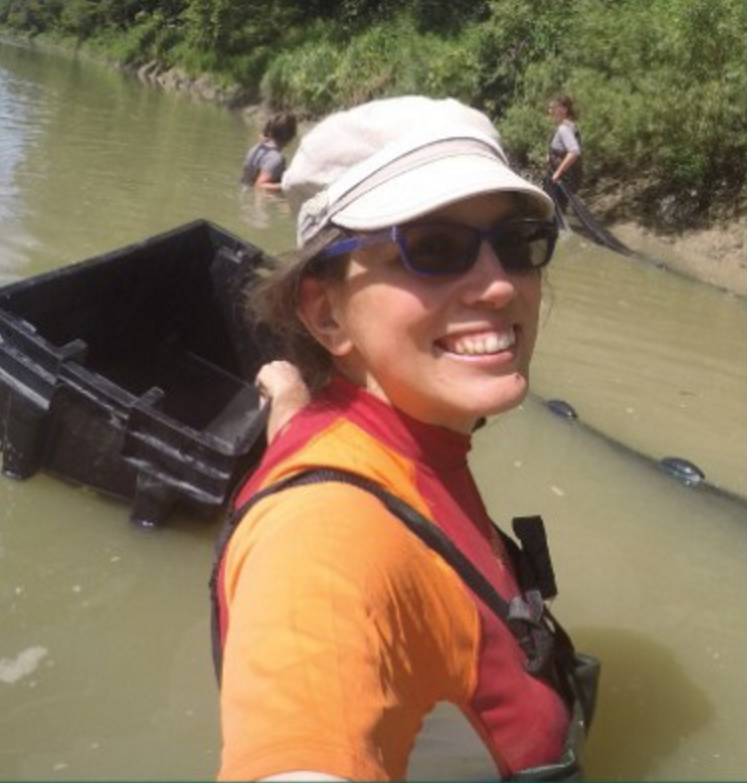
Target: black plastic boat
<point x="131" y="372"/>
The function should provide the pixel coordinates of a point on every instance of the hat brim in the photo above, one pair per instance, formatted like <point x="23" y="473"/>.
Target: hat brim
<point x="415" y="193"/>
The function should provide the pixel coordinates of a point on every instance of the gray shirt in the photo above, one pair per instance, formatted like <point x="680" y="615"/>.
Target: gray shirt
<point x="566" y="139"/>
<point x="263" y="157"/>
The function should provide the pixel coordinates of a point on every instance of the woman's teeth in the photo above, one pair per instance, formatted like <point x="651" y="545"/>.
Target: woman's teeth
<point x="481" y="345"/>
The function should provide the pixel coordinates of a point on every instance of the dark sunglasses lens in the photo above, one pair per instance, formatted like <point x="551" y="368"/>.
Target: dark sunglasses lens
<point x="524" y="246"/>
<point x="439" y="249"/>
<point x="451" y="249"/>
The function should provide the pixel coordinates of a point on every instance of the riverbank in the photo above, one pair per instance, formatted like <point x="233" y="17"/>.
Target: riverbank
<point x="708" y="247"/>
<point x="713" y="255"/>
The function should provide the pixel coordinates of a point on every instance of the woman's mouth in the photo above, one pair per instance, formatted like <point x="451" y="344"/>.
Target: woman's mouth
<point x="483" y="344"/>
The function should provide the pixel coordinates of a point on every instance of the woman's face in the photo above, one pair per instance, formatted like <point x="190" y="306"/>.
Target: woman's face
<point x="445" y="350"/>
<point x="557" y="112"/>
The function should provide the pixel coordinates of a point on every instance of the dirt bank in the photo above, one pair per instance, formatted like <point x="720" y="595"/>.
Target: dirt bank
<point x="713" y="255"/>
<point x="709" y="247"/>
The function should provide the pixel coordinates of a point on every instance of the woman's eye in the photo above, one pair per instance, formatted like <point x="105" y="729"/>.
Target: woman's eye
<point x="432" y="246"/>
<point x="424" y="250"/>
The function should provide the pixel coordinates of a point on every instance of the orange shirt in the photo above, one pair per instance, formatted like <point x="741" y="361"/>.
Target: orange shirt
<point x="342" y="630"/>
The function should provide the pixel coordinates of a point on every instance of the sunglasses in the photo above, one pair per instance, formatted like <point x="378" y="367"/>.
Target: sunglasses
<point x="442" y="249"/>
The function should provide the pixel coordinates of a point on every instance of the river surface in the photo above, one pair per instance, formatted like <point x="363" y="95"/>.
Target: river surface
<point x="105" y="669"/>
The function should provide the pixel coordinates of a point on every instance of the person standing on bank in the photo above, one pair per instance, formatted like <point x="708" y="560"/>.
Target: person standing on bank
<point x="264" y="164"/>
<point x="411" y="311"/>
<point x="564" y="158"/>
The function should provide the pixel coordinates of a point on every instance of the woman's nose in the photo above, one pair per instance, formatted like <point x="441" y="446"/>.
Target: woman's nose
<point x="488" y="279"/>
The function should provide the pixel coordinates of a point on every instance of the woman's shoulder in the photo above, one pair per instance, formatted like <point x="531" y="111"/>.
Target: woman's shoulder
<point x="329" y="516"/>
<point x="330" y="510"/>
<point x="334" y="536"/>
<point x="327" y="439"/>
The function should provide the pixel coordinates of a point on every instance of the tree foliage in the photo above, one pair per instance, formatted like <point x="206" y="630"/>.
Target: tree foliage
<point x="661" y="83"/>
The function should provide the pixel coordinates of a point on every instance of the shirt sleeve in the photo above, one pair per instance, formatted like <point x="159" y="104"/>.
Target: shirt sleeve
<point x="568" y="139"/>
<point x="343" y="631"/>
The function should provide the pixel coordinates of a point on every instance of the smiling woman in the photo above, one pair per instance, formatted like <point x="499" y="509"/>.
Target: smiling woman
<point x="463" y="340"/>
<point x="411" y="309"/>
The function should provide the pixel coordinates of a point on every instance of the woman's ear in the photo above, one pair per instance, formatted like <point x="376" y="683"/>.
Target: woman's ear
<point x="318" y="310"/>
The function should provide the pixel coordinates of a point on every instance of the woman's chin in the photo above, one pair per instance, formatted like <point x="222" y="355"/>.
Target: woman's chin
<point x="503" y="397"/>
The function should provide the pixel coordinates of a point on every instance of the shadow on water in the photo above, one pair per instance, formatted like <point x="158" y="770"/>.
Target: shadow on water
<point x="648" y="706"/>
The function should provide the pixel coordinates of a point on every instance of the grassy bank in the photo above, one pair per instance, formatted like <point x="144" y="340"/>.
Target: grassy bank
<point x="661" y="83"/>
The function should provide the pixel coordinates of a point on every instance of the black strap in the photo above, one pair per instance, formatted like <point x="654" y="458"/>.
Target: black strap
<point x="423" y="528"/>
<point x="537" y="563"/>
<point x="524" y="614"/>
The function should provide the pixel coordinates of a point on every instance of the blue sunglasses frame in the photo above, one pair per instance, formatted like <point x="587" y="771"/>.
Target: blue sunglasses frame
<point x="505" y="240"/>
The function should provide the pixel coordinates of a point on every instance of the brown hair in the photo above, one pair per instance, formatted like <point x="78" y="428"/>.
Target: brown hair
<point x="281" y="128"/>
<point x="272" y="303"/>
<point x="568" y="104"/>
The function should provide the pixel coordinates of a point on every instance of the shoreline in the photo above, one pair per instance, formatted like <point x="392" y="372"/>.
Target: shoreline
<point x="707" y="247"/>
<point x="713" y="255"/>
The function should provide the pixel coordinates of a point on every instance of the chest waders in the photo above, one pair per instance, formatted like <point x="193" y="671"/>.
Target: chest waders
<point x="550" y="654"/>
<point x="570" y="181"/>
<point x="253" y="165"/>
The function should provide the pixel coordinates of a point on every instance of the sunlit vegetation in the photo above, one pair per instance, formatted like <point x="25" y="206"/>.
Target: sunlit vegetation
<point x="661" y="83"/>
